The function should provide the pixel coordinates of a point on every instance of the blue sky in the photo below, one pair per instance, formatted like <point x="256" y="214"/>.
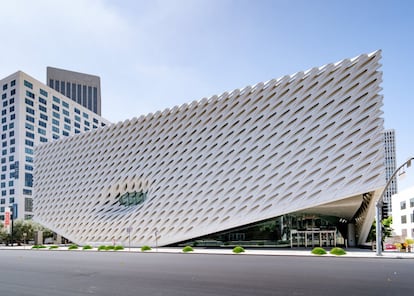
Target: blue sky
<point x="151" y="55"/>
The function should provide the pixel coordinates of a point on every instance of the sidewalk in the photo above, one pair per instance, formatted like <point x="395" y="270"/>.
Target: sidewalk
<point x="350" y="252"/>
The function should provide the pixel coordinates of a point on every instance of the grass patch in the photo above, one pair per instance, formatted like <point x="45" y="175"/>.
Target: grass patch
<point x="53" y="247"/>
<point x="319" y="251"/>
<point x="337" y="251"/>
<point x="145" y="248"/>
<point x="238" y="250"/>
<point x="73" y="247"/>
<point x="87" y="247"/>
<point x="39" y="247"/>
<point x="187" y="249"/>
<point x="102" y="248"/>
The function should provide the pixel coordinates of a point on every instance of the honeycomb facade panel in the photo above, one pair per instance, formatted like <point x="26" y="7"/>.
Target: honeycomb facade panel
<point x="282" y="146"/>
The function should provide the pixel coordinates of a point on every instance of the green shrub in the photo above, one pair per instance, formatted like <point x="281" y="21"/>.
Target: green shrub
<point x="53" y="247"/>
<point x="39" y="247"/>
<point x="109" y="248"/>
<point x="102" y="248"/>
<point x="238" y="250"/>
<point x="319" y="251"/>
<point x="337" y="251"/>
<point x="118" y="248"/>
<point x="87" y="247"/>
<point x="187" y="249"/>
<point x="73" y="247"/>
<point x="145" y="248"/>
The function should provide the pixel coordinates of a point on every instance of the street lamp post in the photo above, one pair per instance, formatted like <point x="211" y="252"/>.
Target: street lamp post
<point x="380" y="203"/>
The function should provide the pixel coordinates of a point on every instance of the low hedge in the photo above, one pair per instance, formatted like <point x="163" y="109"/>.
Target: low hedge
<point x="337" y="251"/>
<point x="187" y="249"/>
<point x="73" y="247"/>
<point x="39" y="247"/>
<point x="87" y="247"/>
<point x="319" y="251"/>
<point x="145" y="248"/>
<point x="53" y="247"/>
<point x="238" y="250"/>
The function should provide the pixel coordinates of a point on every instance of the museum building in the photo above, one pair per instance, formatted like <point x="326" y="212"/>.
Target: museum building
<point x="294" y="161"/>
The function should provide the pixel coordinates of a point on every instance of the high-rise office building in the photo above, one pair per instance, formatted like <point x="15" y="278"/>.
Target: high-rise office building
<point x="390" y="166"/>
<point x="31" y="114"/>
<point x="84" y="89"/>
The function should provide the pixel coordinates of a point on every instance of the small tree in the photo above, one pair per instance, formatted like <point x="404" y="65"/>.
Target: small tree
<point x="386" y="231"/>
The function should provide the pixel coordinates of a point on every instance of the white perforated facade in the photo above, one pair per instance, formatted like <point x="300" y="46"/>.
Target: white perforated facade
<point x="312" y="140"/>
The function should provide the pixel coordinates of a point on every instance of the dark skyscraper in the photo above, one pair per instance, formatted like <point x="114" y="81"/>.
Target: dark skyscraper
<point x="85" y="89"/>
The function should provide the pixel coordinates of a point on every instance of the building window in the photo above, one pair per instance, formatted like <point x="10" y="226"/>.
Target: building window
<point x="30" y="119"/>
<point x="56" y="115"/>
<point x="30" y="94"/>
<point x="56" y="100"/>
<point x="64" y="104"/>
<point x="55" y="121"/>
<point x="42" y="123"/>
<point x="404" y="219"/>
<point x="55" y="129"/>
<point x="65" y="112"/>
<point x="28" y="84"/>
<point x="4" y="86"/>
<point x="29" y="126"/>
<point x="28" y="204"/>
<point x="30" y="135"/>
<point x="41" y="131"/>
<point x="55" y="107"/>
<point x="30" y="110"/>
<point x="28" y="179"/>
<point x="13" y="83"/>
<point x="43" y="116"/>
<point x="412" y="202"/>
<point x="43" y="140"/>
<point x="43" y="92"/>
<point x="28" y="102"/>
<point x="27" y="192"/>
<point x="403" y="205"/>
<point x="77" y="111"/>
<point x="42" y="108"/>
<point x="43" y="101"/>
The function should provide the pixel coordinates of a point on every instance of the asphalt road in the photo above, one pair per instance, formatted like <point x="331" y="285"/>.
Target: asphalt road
<point x="64" y="273"/>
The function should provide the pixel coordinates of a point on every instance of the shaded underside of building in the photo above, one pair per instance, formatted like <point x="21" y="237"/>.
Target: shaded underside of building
<point x="302" y="155"/>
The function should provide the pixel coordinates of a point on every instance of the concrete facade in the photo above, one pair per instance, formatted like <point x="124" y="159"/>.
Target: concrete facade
<point x="403" y="213"/>
<point x="312" y="141"/>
